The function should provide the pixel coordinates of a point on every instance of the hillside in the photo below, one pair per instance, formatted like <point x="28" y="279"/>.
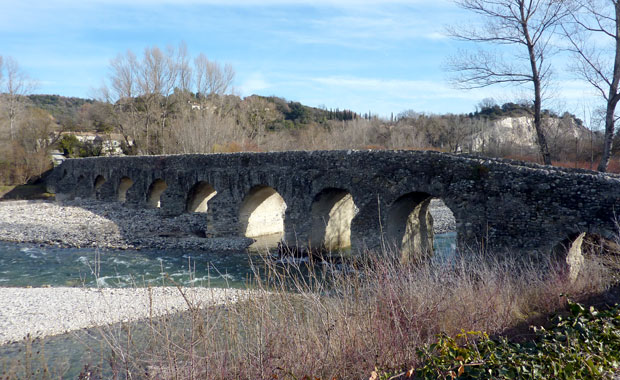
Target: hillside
<point x="184" y="122"/>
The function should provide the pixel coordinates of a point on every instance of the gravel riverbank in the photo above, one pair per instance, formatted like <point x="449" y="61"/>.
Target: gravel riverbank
<point x="89" y="223"/>
<point x="42" y="312"/>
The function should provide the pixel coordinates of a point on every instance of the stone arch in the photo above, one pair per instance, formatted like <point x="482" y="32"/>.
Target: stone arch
<point x="409" y="227"/>
<point x="332" y="212"/>
<point x="97" y="184"/>
<point x="124" y="185"/>
<point x="99" y="181"/>
<point x="153" y="196"/>
<point x="198" y="197"/>
<point x="262" y="212"/>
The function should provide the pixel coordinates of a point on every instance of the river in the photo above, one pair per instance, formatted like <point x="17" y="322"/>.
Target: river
<point x="26" y="265"/>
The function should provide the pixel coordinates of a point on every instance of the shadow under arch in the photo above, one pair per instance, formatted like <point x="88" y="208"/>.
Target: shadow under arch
<point x="124" y="184"/>
<point x="332" y="212"/>
<point x="153" y="196"/>
<point x="99" y="181"/>
<point x="198" y="197"/>
<point x="262" y="213"/>
<point x="409" y="227"/>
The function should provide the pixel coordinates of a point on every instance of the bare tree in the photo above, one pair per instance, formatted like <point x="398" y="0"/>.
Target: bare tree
<point x="1" y="71"/>
<point x="16" y="86"/>
<point x="526" y="24"/>
<point x="183" y="68"/>
<point x="157" y="78"/>
<point x="211" y="77"/>
<point x="123" y="88"/>
<point x="152" y="97"/>
<point x="594" y="37"/>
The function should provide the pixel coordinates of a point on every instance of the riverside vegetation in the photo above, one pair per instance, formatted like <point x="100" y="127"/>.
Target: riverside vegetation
<point x="377" y="319"/>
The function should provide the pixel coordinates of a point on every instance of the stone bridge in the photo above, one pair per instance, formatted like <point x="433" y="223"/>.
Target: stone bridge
<point x="362" y="199"/>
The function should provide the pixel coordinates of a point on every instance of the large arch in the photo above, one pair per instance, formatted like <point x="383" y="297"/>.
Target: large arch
<point x="332" y="212"/>
<point x="262" y="213"/>
<point x="124" y="184"/>
<point x="153" y="196"/>
<point x="198" y="197"/>
<point x="409" y="227"/>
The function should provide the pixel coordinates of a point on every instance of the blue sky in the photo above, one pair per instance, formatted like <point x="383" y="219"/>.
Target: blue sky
<point x="379" y="56"/>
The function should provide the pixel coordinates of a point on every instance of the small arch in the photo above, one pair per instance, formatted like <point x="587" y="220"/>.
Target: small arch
<point x="198" y="197"/>
<point x="332" y="212"/>
<point x="262" y="213"/>
<point x="153" y="197"/>
<point x="409" y="226"/>
<point x="124" y="185"/>
<point x="99" y="181"/>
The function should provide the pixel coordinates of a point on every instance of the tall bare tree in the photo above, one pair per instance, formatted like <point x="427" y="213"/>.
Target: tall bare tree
<point x="211" y="77"/>
<point x="528" y="25"/>
<point x="594" y="37"/>
<point x="184" y="68"/>
<point x="151" y="95"/>
<point x="1" y="71"/>
<point x="121" y="92"/>
<point x="15" y="87"/>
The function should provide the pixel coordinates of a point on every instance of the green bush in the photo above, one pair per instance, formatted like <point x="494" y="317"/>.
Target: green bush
<point x="584" y="345"/>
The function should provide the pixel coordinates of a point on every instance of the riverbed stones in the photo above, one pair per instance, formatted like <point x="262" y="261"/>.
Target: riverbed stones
<point x="38" y="312"/>
<point x="104" y="225"/>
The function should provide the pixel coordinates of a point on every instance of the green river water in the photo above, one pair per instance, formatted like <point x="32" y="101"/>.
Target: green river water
<point x="28" y="265"/>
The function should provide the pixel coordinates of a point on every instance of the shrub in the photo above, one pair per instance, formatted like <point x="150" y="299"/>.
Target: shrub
<point x="584" y="345"/>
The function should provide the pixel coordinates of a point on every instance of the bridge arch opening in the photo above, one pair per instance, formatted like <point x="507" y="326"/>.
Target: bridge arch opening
<point x="153" y="197"/>
<point x="124" y="185"/>
<point x="332" y="213"/>
<point x="198" y="197"/>
<point x="410" y="226"/>
<point x="262" y="213"/>
<point x="99" y="181"/>
<point x="419" y="225"/>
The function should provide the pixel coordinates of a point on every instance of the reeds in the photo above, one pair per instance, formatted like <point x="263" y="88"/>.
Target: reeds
<point x="320" y="320"/>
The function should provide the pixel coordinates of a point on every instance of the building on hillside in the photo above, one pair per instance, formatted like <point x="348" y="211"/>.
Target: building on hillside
<point x="110" y="143"/>
<point x="57" y="157"/>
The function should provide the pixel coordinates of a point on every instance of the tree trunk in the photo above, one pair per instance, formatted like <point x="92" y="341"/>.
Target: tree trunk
<point x="540" y="134"/>
<point x="612" y="100"/>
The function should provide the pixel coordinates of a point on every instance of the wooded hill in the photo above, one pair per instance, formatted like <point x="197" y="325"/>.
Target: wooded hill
<point x="186" y="123"/>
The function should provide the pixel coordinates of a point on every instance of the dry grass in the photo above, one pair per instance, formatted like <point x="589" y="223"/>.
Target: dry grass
<point x="312" y="320"/>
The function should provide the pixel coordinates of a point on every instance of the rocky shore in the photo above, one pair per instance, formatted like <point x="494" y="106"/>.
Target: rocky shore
<point x="38" y="312"/>
<point x="90" y="223"/>
<point x="443" y="219"/>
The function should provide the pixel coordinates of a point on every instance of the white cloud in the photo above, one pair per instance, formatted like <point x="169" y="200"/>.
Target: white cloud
<point x="256" y="82"/>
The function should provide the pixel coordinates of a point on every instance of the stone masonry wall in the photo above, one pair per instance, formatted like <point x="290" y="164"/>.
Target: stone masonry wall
<point x="498" y="204"/>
